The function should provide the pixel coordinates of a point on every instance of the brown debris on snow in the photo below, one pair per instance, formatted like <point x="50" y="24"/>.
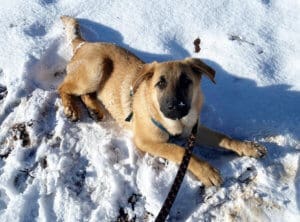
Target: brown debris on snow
<point x="197" y="42"/>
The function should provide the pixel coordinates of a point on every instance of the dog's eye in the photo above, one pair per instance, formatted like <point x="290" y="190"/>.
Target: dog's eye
<point x="162" y="83"/>
<point x="184" y="80"/>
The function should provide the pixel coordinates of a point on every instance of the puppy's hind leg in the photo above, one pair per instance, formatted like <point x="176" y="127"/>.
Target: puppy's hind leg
<point x="82" y="80"/>
<point x="92" y="103"/>
<point x="75" y="84"/>
<point x="68" y="101"/>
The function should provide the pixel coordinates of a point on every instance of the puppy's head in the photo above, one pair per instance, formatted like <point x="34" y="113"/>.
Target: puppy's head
<point x="173" y="85"/>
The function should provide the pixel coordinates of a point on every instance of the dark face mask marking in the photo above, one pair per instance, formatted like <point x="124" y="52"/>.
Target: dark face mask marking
<point x="175" y="100"/>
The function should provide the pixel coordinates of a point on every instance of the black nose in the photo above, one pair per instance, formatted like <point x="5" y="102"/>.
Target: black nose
<point x="174" y="108"/>
<point x="176" y="104"/>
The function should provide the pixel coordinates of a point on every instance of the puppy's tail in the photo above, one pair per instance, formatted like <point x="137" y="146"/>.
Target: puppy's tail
<point x="73" y="31"/>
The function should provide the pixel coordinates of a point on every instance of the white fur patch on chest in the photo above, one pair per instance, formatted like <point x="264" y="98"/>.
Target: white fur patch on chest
<point x="182" y="126"/>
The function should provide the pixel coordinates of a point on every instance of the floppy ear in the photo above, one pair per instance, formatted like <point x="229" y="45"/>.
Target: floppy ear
<point x="145" y="73"/>
<point x="200" y="67"/>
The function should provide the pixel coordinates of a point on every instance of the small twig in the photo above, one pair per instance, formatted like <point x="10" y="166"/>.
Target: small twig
<point x="240" y="39"/>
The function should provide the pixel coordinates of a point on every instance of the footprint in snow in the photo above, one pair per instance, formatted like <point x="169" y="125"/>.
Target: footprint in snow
<point x="3" y="92"/>
<point x="266" y="2"/>
<point x="47" y="2"/>
<point x="35" y="29"/>
<point x="20" y="181"/>
<point x="4" y="200"/>
<point x="248" y="175"/>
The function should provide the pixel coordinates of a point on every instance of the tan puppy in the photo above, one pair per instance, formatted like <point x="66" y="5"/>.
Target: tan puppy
<point x="167" y="99"/>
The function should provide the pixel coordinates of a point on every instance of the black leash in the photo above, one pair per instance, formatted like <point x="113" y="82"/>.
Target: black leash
<point x="164" y="211"/>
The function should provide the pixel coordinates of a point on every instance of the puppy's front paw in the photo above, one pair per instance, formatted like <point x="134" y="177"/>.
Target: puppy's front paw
<point x="253" y="149"/>
<point x="71" y="111"/>
<point x="96" y="115"/>
<point x="209" y="176"/>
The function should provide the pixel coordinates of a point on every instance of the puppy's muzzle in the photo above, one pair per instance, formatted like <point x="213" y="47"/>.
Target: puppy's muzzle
<point x="174" y="108"/>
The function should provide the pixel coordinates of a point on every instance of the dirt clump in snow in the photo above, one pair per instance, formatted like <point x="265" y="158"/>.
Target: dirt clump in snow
<point x="197" y="42"/>
<point x="19" y="132"/>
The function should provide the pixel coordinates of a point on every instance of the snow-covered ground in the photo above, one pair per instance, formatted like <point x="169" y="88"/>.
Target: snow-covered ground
<point x="54" y="170"/>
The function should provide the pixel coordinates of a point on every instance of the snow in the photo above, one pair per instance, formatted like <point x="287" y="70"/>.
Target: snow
<point x="54" y="170"/>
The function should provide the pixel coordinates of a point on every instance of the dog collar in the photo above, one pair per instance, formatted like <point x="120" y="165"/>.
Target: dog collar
<point x="162" y="128"/>
<point x="157" y="124"/>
